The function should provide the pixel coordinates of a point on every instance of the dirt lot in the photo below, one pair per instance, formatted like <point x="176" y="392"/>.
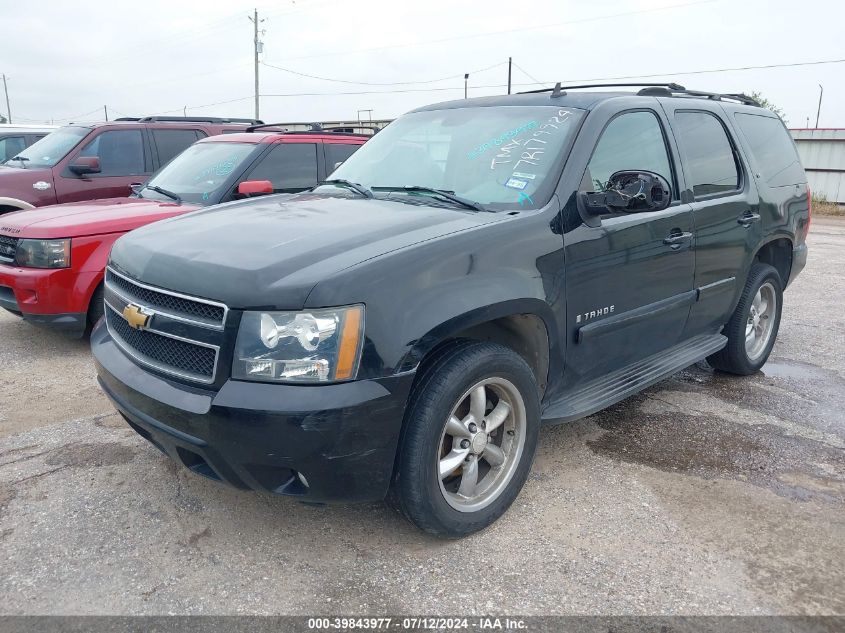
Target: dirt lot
<point x="706" y="494"/>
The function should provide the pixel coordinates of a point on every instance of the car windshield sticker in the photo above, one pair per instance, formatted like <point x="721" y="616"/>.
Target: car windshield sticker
<point x="523" y="198"/>
<point x="519" y="174"/>
<point x="499" y="141"/>
<point x="516" y="183"/>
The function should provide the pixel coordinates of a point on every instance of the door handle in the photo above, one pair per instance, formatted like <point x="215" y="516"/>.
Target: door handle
<point x="748" y="218"/>
<point x="676" y="238"/>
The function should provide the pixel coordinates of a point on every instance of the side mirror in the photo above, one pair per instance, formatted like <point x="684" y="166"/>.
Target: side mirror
<point x="630" y="192"/>
<point x="255" y="187"/>
<point x="85" y="165"/>
<point x="136" y="187"/>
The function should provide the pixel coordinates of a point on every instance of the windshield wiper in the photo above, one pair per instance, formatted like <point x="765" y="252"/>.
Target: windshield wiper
<point x="340" y="182"/>
<point x="440" y="193"/>
<point x="23" y="160"/>
<point x="164" y="192"/>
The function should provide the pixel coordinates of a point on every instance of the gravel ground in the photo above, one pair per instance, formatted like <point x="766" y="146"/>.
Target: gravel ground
<point x="706" y="494"/>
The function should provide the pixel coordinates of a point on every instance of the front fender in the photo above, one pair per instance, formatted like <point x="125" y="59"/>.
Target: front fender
<point x="16" y="203"/>
<point x="419" y="296"/>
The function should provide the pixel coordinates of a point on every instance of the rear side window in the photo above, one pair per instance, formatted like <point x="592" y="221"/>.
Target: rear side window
<point x="121" y="152"/>
<point x="337" y="153"/>
<point x="11" y="146"/>
<point x="710" y="160"/>
<point x="290" y="167"/>
<point x="773" y="150"/>
<point x="172" y="142"/>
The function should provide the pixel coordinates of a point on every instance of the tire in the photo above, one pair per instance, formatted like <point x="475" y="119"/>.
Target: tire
<point x="96" y="309"/>
<point x="449" y="390"/>
<point x="740" y="357"/>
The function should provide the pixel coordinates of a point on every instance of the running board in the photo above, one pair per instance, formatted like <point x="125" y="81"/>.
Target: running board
<point x="618" y="385"/>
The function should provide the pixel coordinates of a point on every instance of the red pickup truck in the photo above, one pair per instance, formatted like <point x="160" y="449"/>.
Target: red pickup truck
<point x="100" y="160"/>
<point x="52" y="259"/>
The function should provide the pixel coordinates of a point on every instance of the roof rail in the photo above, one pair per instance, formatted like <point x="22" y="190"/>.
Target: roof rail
<point x="562" y="89"/>
<point x="341" y="129"/>
<point x="189" y="119"/>
<point x="316" y="128"/>
<point x="654" y="90"/>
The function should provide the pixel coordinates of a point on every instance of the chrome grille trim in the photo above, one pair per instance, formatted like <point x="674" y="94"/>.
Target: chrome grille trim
<point x="139" y="357"/>
<point x="213" y="325"/>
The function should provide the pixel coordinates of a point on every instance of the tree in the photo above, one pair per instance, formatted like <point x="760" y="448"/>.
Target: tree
<point x="759" y="98"/>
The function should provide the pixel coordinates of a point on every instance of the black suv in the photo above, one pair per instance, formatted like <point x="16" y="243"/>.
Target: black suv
<point x="477" y="268"/>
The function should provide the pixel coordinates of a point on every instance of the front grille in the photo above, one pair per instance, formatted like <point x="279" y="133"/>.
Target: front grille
<point x="8" y="249"/>
<point x="193" y="309"/>
<point x="167" y="354"/>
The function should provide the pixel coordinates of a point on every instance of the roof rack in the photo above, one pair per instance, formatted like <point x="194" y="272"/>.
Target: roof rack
<point x="316" y="128"/>
<point x="341" y="129"/>
<point x="562" y="89"/>
<point x="189" y="119"/>
<point x="652" y="90"/>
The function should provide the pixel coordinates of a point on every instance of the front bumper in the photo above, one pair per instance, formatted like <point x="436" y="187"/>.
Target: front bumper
<point x="56" y="298"/>
<point x="320" y="443"/>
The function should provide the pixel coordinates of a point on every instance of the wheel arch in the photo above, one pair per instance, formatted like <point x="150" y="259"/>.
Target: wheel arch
<point x="524" y="326"/>
<point x="7" y="205"/>
<point x="777" y="253"/>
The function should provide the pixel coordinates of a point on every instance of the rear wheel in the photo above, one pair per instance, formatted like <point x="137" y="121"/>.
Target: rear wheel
<point x="753" y="327"/>
<point x="470" y="436"/>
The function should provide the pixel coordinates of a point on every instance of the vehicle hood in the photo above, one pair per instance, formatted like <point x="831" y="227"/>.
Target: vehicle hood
<point x="93" y="217"/>
<point x="272" y="251"/>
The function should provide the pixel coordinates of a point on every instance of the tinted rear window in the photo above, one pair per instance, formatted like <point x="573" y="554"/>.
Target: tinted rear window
<point x="773" y="150"/>
<point x="708" y="153"/>
<point x="172" y="142"/>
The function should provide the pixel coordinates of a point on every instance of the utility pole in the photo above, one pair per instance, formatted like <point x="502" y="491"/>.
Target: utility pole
<point x="106" y="112"/>
<point x="466" y="81"/>
<point x="510" y="63"/>
<point x="8" y="107"/>
<point x="256" y="47"/>
<point x="818" y="112"/>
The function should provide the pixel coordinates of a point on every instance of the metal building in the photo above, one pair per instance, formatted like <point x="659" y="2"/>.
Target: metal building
<point x="822" y="152"/>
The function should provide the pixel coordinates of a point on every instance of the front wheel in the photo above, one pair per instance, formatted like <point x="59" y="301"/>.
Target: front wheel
<point x="753" y="327"/>
<point x="470" y="436"/>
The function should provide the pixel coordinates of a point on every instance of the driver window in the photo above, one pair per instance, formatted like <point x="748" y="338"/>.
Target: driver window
<point x="631" y="142"/>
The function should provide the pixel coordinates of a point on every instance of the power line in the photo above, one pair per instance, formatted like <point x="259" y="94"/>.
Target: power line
<point x="488" y="86"/>
<point x="372" y="83"/>
<point x="697" y="72"/>
<point x="526" y="73"/>
<point x="503" y="32"/>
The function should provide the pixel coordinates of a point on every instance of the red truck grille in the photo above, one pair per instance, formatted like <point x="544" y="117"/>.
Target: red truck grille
<point x="8" y="249"/>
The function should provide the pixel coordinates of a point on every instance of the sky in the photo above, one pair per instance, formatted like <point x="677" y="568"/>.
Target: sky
<point x="64" y="61"/>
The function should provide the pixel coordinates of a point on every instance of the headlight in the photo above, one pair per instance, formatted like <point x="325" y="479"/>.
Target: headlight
<point x="43" y="253"/>
<point x="312" y="346"/>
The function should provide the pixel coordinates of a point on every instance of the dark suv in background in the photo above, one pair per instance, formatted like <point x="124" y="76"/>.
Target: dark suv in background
<point x="100" y="160"/>
<point x="478" y="267"/>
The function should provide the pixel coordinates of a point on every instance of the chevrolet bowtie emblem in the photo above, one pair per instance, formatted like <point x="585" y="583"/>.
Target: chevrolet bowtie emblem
<point x="135" y="317"/>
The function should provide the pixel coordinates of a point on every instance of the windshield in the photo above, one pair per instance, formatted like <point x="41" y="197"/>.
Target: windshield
<point x="50" y="149"/>
<point x="502" y="157"/>
<point x="201" y="173"/>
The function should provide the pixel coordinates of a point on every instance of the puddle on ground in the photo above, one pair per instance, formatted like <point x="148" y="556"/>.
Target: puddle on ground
<point x="713" y="448"/>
